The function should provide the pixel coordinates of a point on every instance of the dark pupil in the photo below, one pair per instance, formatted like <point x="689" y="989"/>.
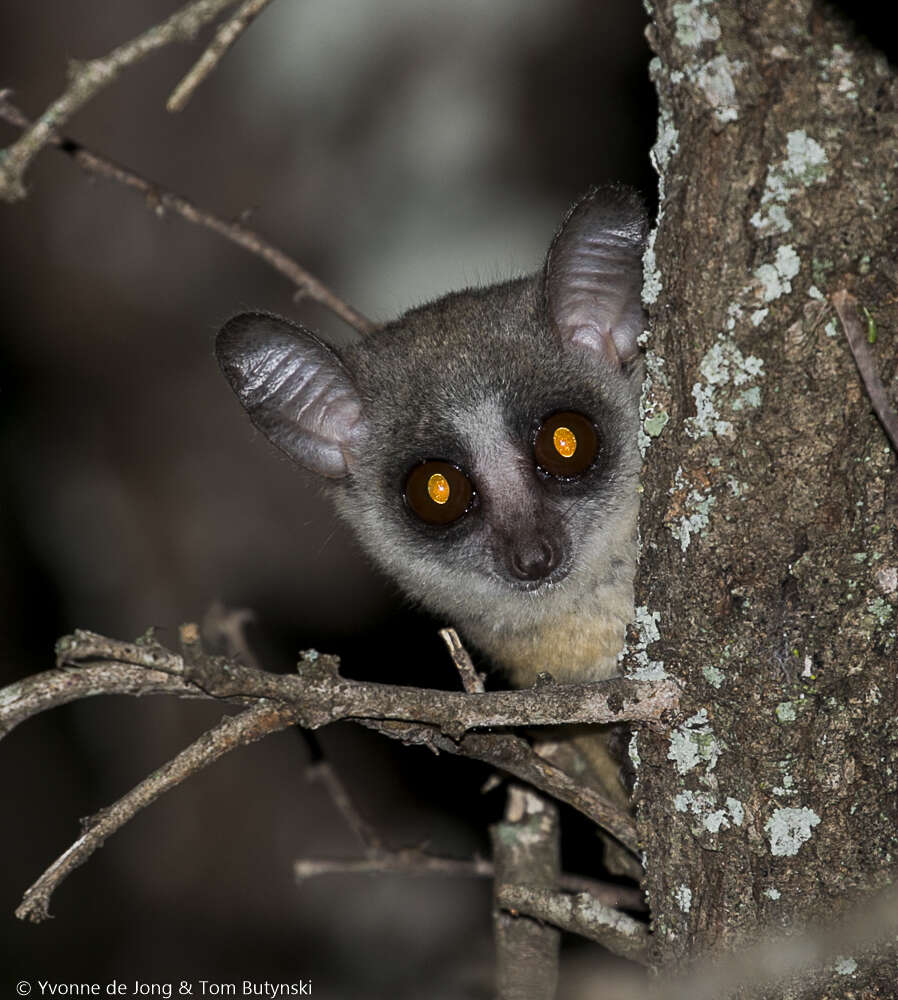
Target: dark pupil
<point x="566" y="444"/>
<point x="438" y="492"/>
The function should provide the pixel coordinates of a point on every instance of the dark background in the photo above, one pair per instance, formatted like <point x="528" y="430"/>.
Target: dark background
<point x="398" y="150"/>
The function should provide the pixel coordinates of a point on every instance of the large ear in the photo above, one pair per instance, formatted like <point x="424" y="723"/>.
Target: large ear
<point x="294" y="388"/>
<point x="593" y="276"/>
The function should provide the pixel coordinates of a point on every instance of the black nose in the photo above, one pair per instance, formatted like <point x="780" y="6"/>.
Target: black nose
<point x="533" y="559"/>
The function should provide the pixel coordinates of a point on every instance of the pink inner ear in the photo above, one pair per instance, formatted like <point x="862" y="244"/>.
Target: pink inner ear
<point x="602" y="343"/>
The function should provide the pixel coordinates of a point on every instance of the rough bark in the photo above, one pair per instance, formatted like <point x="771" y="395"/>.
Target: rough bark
<point x="767" y="582"/>
<point x="526" y="847"/>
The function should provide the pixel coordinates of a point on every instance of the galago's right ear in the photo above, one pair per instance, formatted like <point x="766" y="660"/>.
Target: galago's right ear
<point x="295" y="390"/>
<point x="593" y="274"/>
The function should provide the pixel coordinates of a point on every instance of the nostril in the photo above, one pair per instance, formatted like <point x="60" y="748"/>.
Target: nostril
<point x="533" y="559"/>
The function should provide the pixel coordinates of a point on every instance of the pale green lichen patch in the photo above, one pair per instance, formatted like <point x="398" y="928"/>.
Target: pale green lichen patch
<point x="881" y="610"/>
<point x="736" y="810"/>
<point x="715" y="80"/>
<point x="693" y="743"/>
<point x="654" y="424"/>
<point x="666" y="145"/>
<point x="695" y="22"/>
<point x="758" y="316"/>
<point x="845" y="966"/>
<point x="776" y="279"/>
<point x="772" y="893"/>
<point x="722" y="365"/>
<point x="785" y="711"/>
<point x="712" y="817"/>
<point x="750" y="399"/>
<point x="652" y="403"/>
<point x="651" y="276"/>
<point x="788" y="828"/>
<point x="684" y="898"/>
<point x="695" y="519"/>
<point x="645" y="623"/>
<point x="805" y="163"/>
<point x="713" y="676"/>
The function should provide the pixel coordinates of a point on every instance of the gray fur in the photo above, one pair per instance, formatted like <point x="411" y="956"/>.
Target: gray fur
<point x="467" y="379"/>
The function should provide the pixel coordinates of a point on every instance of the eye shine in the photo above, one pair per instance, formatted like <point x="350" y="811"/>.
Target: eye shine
<point x="566" y="444"/>
<point x="438" y="492"/>
<point x="565" y="441"/>
<point x="438" y="488"/>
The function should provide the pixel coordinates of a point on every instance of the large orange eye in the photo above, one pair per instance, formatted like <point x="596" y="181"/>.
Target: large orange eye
<point x="438" y="492"/>
<point x="566" y="444"/>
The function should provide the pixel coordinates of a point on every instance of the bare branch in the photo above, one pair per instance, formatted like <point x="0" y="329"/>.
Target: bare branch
<point x="225" y="37"/>
<point x="89" y="78"/>
<point x="416" y="862"/>
<point x="232" y="732"/>
<point x="581" y="914"/>
<point x="322" y="696"/>
<point x="855" y="333"/>
<point x="40" y="692"/>
<point x="159" y="200"/>
<point x="317" y="695"/>
<point x="516" y="757"/>
<point x="471" y="680"/>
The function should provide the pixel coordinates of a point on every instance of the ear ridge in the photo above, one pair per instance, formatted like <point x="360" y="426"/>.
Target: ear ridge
<point x="593" y="273"/>
<point x="295" y="389"/>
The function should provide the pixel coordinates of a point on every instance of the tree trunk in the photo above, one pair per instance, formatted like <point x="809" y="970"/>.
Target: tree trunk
<point x="769" y="537"/>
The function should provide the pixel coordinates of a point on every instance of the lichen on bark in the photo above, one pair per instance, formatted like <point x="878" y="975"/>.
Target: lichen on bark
<point x="769" y="524"/>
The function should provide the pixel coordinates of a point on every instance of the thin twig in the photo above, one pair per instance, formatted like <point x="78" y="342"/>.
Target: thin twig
<point x="414" y="861"/>
<point x="581" y="914"/>
<point x="159" y="200"/>
<point x="516" y="757"/>
<point x="323" y="771"/>
<point x="88" y="78"/>
<point x="855" y="332"/>
<point x="471" y="680"/>
<point x="406" y="861"/>
<point x="225" y="629"/>
<point x="233" y="731"/>
<point x="225" y="37"/>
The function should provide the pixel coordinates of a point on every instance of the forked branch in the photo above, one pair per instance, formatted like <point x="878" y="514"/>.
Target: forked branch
<point x="232" y="732"/>
<point x="91" y="664"/>
<point x="86" y="79"/>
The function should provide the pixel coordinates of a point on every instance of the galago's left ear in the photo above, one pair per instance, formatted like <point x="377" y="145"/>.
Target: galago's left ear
<point x="593" y="274"/>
